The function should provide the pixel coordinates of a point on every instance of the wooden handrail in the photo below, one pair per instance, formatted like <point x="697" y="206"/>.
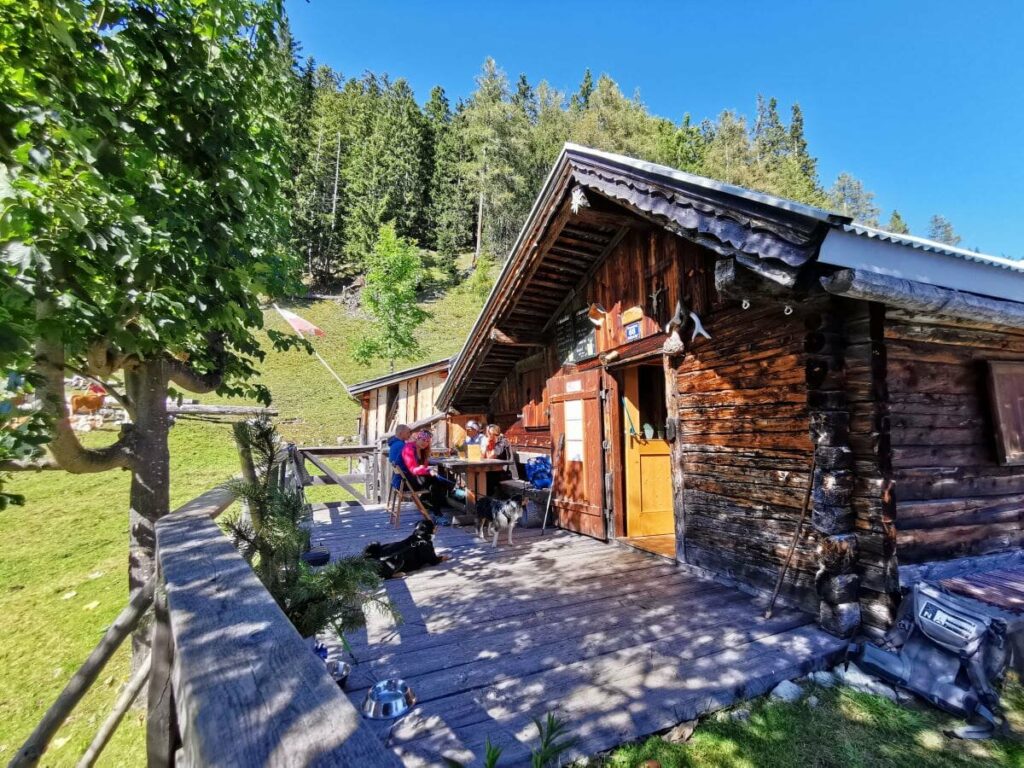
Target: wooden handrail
<point x="245" y="689"/>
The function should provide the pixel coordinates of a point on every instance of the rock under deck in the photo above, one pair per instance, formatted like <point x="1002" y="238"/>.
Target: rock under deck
<point x="618" y="643"/>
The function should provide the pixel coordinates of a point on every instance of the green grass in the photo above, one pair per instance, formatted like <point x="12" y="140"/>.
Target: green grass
<point x="846" y="730"/>
<point x="63" y="556"/>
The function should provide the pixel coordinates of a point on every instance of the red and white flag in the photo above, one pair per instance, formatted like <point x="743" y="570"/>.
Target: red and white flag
<point x="298" y="324"/>
<point x="305" y="328"/>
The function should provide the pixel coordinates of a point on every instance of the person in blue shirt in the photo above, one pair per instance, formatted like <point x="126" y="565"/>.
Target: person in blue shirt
<point x="396" y="444"/>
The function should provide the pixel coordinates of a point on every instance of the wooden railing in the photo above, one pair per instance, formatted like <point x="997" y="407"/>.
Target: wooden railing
<point x="231" y="682"/>
<point x="362" y="468"/>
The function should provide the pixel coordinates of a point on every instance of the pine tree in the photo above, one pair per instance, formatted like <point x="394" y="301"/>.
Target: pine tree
<point x="394" y="273"/>
<point x="941" y="229"/>
<point x="581" y="99"/>
<point x="525" y="99"/>
<point x="896" y="224"/>
<point x="849" y="197"/>
<point x="497" y="133"/>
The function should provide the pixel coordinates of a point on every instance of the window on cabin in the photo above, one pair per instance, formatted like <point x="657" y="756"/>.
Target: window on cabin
<point x="575" y="337"/>
<point x="1006" y="384"/>
<point x="651" y="407"/>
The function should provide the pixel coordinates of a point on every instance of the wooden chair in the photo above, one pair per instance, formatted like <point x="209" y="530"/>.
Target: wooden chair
<point x="405" y="492"/>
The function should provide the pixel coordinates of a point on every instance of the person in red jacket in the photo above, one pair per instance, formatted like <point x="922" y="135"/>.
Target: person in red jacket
<point x="416" y="457"/>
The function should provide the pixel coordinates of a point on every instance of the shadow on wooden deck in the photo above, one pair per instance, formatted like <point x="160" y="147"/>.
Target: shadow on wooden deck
<point x="618" y="643"/>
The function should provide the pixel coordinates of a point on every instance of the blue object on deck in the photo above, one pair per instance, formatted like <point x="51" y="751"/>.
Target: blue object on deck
<point x="538" y="471"/>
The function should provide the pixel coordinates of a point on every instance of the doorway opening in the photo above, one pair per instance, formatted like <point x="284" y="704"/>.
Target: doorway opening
<point x="650" y="521"/>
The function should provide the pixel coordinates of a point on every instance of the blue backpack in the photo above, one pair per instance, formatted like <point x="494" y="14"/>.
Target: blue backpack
<point x="538" y="471"/>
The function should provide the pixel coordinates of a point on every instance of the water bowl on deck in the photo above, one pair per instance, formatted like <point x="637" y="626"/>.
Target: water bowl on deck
<point x="388" y="699"/>
<point x="339" y="671"/>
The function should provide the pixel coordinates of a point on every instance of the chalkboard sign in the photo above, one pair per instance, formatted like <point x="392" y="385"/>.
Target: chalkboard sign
<point x="575" y="337"/>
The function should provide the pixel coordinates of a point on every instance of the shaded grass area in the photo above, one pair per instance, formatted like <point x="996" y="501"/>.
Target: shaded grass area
<point x="63" y="556"/>
<point x="846" y="730"/>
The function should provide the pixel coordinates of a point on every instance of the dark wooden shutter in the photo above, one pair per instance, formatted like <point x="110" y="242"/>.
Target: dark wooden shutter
<point x="1006" y="384"/>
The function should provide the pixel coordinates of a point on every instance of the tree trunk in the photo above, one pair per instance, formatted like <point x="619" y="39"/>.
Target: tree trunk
<point x="149" y="498"/>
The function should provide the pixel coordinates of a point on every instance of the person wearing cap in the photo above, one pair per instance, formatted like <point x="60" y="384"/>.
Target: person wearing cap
<point x="474" y="435"/>
<point x="416" y="458"/>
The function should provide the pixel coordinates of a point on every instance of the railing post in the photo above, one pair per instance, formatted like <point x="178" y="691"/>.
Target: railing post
<point x="161" y="719"/>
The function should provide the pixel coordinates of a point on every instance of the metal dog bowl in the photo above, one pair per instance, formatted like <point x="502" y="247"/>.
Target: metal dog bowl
<point x="339" y="671"/>
<point x="388" y="699"/>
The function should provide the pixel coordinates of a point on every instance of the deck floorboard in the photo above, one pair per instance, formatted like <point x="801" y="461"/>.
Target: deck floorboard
<point x="616" y="642"/>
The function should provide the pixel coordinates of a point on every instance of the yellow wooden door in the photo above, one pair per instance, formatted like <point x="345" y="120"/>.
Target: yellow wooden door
<point x="648" y="470"/>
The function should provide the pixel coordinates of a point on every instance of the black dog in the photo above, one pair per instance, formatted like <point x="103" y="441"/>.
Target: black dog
<point x="405" y="556"/>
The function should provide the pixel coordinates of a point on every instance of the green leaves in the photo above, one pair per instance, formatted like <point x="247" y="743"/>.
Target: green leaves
<point x="390" y="297"/>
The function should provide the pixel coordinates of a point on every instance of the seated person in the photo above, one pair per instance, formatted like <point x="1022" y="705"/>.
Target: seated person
<point x="416" y="458"/>
<point x="496" y="447"/>
<point x="396" y="444"/>
<point x="473" y="437"/>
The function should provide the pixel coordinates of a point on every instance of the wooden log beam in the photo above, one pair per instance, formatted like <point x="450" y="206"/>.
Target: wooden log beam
<point x="922" y="298"/>
<point x="498" y="336"/>
<point x="199" y="409"/>
<point x="124" y="700"/>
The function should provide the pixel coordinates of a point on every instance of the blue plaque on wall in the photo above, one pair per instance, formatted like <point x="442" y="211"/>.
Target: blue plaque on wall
<point x="633" y="331"/>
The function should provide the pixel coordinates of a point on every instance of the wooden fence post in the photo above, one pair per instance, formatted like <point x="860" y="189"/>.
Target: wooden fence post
<point x="161" y="720"/>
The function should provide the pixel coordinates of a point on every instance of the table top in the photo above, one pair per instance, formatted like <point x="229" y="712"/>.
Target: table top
<point x="470" y="463"/>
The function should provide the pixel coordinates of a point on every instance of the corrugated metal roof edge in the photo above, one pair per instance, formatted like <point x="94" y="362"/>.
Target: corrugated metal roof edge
<point x="934" y="246"/>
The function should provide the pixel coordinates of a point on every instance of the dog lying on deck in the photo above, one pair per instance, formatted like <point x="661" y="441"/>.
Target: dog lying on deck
<point x="398" y="558"/>
<point x="497" y="515"/>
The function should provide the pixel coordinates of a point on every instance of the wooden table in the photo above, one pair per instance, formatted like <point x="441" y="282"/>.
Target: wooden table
<point x="476" y="471"/>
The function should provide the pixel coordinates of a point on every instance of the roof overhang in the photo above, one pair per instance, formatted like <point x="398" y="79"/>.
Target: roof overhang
<point x="561" y="244"/>
<point x="922" y="261"/>
<point x="399" y="376"/>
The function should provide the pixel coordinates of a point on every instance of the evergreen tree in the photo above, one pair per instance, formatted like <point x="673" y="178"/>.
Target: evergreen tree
<point x="385" y="175"/>
<point x="525" y="99"/>
<point x="849" y="197"/>
<point x="497" y="133"/>
<point x="581" y="99"/>
<point x="896" y="224"/>
<point x="395" y="271"/>
<point x="941" y="229"/>
<point x="451" y="192"/>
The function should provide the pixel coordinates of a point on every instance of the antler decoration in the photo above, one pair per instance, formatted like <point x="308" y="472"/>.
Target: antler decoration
<point x="674" y="343"/>
<point x="579" y="200"/>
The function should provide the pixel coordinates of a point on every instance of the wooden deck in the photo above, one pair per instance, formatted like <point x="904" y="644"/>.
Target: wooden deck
<point x="619" y="643"/>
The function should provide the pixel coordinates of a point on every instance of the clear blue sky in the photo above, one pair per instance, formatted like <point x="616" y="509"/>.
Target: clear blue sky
<point x="923" y="101"/>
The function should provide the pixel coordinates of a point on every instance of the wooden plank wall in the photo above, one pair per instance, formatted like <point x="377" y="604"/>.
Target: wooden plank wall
<point x="953" y="499"/>
<point x="747" y="450"/>
<point x="416" y="398"/>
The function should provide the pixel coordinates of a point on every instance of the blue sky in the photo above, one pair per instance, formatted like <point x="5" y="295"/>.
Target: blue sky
<point x="923" y="101"/>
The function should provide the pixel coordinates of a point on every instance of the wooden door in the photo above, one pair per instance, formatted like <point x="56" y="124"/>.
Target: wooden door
<point x="647" y="457"/>
<point x="577" y="432"/>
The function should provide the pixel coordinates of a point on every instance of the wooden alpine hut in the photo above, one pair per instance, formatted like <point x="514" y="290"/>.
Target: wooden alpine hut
<point x="402" y="397"/>
<point x="697" y="357"/>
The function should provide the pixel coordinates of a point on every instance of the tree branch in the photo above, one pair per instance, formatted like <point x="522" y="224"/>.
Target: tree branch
<point x="186" y="377"/>
<point x="68" y="452"/>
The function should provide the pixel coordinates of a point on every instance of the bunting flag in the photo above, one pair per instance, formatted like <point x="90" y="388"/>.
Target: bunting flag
<point x="303" y="327"/>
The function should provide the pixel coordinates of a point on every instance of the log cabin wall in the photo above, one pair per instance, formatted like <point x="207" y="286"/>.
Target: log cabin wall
<point x="873" y="503"/>
<point x="746" y="447"/>
<point x="952" y="497"/>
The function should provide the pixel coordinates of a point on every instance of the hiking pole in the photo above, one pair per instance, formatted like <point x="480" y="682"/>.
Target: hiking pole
<point x="796" y="538"/>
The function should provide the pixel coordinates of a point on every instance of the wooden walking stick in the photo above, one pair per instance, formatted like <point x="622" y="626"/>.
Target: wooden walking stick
<point x="554" y="475"/>
<point x="796" y="538"/>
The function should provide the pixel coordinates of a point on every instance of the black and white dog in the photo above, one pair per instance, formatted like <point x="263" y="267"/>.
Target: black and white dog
<point x="497" y="515"/>
<point x="410" y="554"/>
